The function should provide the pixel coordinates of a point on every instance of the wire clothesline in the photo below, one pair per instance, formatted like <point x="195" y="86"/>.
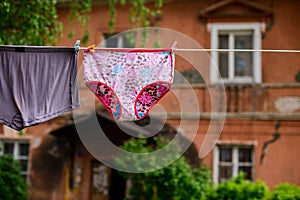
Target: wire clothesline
<point x="77" y="47"/>
<point x="217" y="50"/>
<point x="200" y="49"/>
<point x="242" y="50"/>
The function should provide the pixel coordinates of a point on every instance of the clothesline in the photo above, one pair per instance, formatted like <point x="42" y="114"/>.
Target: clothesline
<point x="147" y="84"/>
<point x="77" y="47"/>
<point x="221" y="50"/>
<point x="203" y="50"/>
<point x="243" y="50"/>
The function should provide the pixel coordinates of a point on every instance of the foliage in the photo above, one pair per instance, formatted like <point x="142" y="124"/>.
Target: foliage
<point x="239" y="188"/>
<point x="26" y="22"/>
<point x="79" y="12"/>
<point x="13" y="185"/>
<point x="176" y="181"/>
<point x="140" y="14"/>
<point x="286" y="191"/>
<point x="36" y="22"/>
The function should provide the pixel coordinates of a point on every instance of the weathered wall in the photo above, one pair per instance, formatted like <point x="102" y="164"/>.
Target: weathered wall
<point x="276" y="68"/>
<point x="47" y="164"/>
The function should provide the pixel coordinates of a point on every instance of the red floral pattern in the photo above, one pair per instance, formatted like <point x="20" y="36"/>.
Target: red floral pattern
<point x="149" y="96"/>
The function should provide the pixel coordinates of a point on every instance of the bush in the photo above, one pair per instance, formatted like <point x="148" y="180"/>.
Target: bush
<point x="237" y="189"/>
<point x="286" y="191"/>
<point x="176" y="181"/>
<point x="12" y="184"/>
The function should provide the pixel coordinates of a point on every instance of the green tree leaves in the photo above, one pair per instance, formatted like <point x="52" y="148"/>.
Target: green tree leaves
<point x="29" y="22"/>
<point x="286" y="191"/>
<point x="35" y="22"/>
<point x="176" y="181"/>
<point x="239" y="188"/>
<point x="140" y="12"/>
<point x="79" y="13"/>
<point x="13" y="185"/>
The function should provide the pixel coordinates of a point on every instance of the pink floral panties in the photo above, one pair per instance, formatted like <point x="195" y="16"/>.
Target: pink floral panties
<point x="129" y="81"/>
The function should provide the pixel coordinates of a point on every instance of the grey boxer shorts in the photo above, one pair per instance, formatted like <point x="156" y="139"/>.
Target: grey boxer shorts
<point x="36" y="84"/>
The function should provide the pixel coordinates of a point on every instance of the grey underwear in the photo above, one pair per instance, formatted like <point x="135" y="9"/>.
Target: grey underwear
<point x="36" y="84"/>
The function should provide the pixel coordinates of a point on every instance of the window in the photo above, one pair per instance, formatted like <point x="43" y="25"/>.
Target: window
<point x="230" y="160"/>
<point x="118" y="40"/>
<point x="236" y="66"/>
<point x="19" y="149"/>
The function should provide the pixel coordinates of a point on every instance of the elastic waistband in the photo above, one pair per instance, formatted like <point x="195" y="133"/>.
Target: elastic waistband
<point x="129" y="50"/>
<point x="36" y="49"/>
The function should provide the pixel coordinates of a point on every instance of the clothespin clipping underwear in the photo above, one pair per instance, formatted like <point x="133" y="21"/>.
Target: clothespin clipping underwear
<point x="76" y="46"/>
<point x="90" y="48"/>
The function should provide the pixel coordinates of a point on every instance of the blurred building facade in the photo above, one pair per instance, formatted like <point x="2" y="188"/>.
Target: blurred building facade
<point x="261" y="133"/>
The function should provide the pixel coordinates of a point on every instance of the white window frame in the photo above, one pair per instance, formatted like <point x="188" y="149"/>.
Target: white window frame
<point x="235" y="160"/>
<point x="15" y="155"/>
<point x="256" y="28"/>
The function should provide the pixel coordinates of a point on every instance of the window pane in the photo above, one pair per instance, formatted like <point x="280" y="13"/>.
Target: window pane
<point x="225" y="173"/>
<point x="223" y="64"/>
<point x="223" y="41"/>
<point x="111" y="42"/>
<point x="23" y="164"/>
<point x="120" y="41"/>
<point x="225" y="154"/>
<point x="129" y="41"/>
<point x="8" y="148"/>
<point x="247" y="171"/>
<point x="245" y="155"/>
<point x="23" y="149"/>
<point x="243" y="64"/>
<point x="243" y="42"/>
<point x="243" y="60"/>
<point x="223" y="56"/>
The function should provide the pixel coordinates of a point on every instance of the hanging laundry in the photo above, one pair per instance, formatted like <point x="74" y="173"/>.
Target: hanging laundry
<point x="36" y="84"/>
<point x="128" y="81"/>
